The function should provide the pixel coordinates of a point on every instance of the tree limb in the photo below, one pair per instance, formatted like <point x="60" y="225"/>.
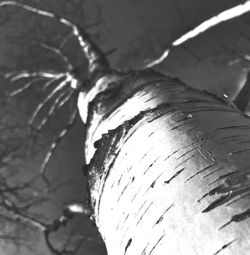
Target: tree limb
<point x="97" y="61"/>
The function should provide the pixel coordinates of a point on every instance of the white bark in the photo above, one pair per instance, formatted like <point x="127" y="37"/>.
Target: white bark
<point x="170" y="173"/>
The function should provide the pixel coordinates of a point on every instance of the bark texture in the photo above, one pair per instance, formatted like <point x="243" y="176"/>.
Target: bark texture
<point x="168" y="167"/>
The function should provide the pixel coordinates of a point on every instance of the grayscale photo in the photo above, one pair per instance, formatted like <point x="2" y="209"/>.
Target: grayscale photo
<point x="125" y="127"/>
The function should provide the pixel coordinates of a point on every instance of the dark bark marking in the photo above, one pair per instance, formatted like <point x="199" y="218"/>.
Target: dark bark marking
<point x="123" y="191"/>
<point x="151" y="165"/>
<point x="184" y="161"/>
<point x="232" y="138"/>
<point x="228" y="190"/>
<point x="174" y="176"/>
<point x="220" y="201"/>
<point x="214" y="191"/>
<point x="173" y="153"/>
<point x="145" y="154"/>
<point x="242" y="216"/>
<point x="153" y="183"/>
<point x="224" y="247"/>
<point x="128" y="244"/>
<point x="183" y="117"/>
<point x="232" y="127"/>
<point x="213" y="107"/>
<point x="184" y="121"/>
<point x="152" y="133"/>
<point x="156" y="244"/>
<point x="223" y="226"/>
<point x="212" y="172"/>
<point x="136" y="194"/>
<point x="185" y="153"/>
<point x="239" y="198"/>
<point x="238" y="218"/>
<point x="121" y="224"/>
<point x="219" y="190"/>
<point x="183" y="148"/>
<point x="199" y="200"/>
<point x="200" y="171"/>
<point x="224" y="176"/>
<point x="162" y="216"/>
<point x="235" y="140"/>
<point x="140" y="208"/>
<point x="123" y="175"/>
<point x="144" y="213"/>
<point x="240" y="151"/>
<point x="144" y="251"/>
<point x="172" y="111"/>
<point x="118" y="182"/>
<point x="125" y="219"/>
<point x="130" y="134"/>
<point x="149" y="99"/>
<point x="178" y="126"/>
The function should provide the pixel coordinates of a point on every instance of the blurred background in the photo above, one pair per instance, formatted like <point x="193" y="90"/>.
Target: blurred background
<point x="131" y="33"/>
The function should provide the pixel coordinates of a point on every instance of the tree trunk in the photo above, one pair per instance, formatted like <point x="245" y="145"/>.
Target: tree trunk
<point x="168" y="167"/>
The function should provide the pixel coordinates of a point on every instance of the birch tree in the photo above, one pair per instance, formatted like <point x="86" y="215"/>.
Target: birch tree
<point x="167" y="165"/>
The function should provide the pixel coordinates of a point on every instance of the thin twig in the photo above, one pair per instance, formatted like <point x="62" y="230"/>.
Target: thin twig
<point x="59" y="53"/>
<point x="59" y="102"/>
<point x="52" y="94"/>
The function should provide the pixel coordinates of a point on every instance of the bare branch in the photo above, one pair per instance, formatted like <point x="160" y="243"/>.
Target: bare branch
<point x="16" y="75"/>
<point x="53" y="146"/>
<point x="59" y="102"/>
<point x="231" y="13"/>
<point x="53" y="93"/>
<point x="52" y="81"/>
<point x="59" y="53"/>
<point x="96" y="59"/>
<point x="26" y="86"/>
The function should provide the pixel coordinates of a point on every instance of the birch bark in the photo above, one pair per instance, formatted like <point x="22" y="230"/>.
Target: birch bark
<point x="168" y="167"/>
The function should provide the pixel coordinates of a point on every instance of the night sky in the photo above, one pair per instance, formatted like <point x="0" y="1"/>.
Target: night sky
<point x="134" y="32"/>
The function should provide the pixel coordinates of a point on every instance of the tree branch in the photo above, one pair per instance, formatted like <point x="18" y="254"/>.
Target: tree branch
<point x="97" y="61"/>
<point x="231" y="13"/>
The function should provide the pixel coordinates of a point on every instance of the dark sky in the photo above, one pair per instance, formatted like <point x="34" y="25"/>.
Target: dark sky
<point x="139" y="31"/>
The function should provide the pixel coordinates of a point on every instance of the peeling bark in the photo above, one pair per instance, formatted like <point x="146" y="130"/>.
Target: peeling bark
<point x="168" y="167"/>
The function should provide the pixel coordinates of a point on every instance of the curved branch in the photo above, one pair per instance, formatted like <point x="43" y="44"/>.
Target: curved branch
<point x="97" y="61"/>
<point x="223" y="16"/>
